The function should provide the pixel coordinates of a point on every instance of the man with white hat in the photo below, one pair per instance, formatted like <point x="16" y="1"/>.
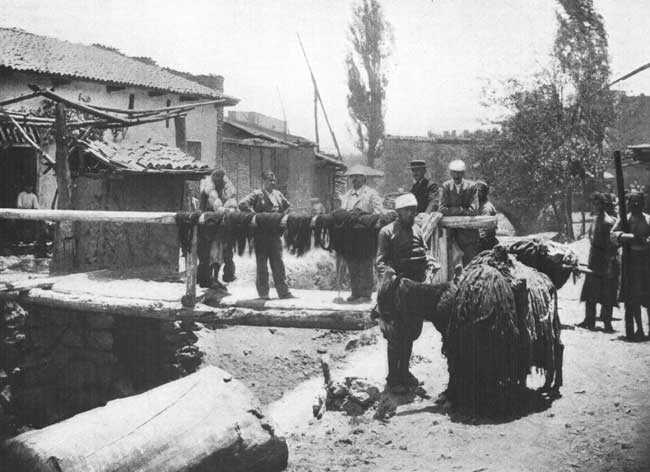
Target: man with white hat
<point x="459" y="197"/>
<point x="401" y="251"/>
<point x="363" y="198"/>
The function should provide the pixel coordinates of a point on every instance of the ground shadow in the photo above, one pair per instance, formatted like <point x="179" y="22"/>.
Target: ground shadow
<point x="389" y="402"/>
<point x="528" y="401"/>
<point x="634" y="340"/>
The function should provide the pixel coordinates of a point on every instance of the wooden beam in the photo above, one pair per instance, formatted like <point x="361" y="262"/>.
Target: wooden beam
<point x="63" y="179"/>
<point x="155" y="93"/>
<point x="78" y="106"/>
<point x="207" y="420"/>
<point x="168" y="218"/>
<point x="469" y="222"/>
<point x="114" y="88"/>
<point x="191" y="262"/>
<point x="187" y="98"/>
<point x="19" y="99"/>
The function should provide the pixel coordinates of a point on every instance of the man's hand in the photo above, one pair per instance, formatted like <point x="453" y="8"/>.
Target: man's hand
<point x="626" y="237"/>
<point x="390" y="274"/>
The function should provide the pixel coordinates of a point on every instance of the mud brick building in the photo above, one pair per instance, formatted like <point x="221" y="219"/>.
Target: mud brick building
<point x="254" y="142"/>
<point x="98" y="76"/>
<point x="436" y="152"/>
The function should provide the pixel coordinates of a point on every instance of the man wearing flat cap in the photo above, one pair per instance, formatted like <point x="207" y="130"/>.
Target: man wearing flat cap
<point x="363" y="198"/>
<point x="459" y="197"/>
<point x="425" y="191"/>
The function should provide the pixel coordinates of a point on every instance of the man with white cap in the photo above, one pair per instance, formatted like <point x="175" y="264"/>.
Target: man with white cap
<point x="363" y="198"/>
<point x="401" y="251"/>
<point x="459" y="197"/>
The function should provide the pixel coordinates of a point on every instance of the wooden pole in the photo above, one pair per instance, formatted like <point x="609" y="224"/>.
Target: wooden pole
<point x="189" y="300"/>
<point x="62" y="169"/>
<point x="316" y="119"/>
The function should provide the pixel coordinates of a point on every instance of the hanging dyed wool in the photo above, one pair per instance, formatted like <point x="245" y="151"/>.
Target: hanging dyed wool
<point x="503" y="323"/>
<point x="352" y="234"/>
<point x="185" y="221"/>
<point x="237" y="229"/>
<point x="298" y="234"/>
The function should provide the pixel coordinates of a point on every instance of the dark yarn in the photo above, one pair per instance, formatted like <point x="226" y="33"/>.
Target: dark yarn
<point x="269" y="223"/>
<point x="352" y="234"/>
<point x="185" y="221"/>
<point x="555" y="260"/>
<point x="298" y="234"/>
<point x="238" y="231"/>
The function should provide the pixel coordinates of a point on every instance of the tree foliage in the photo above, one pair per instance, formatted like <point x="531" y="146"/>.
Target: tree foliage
<point x="552" y="138"/>
<point x="370" y="37"/>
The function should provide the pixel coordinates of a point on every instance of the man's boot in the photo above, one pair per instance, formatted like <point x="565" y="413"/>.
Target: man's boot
<point x="393" y="380"/>
<point x="590" y="316"/>
<point x="638" y="335"/>
<point x="408" y="378"/>
<point x="606" y="314"/>
<point x="629" y="322"/>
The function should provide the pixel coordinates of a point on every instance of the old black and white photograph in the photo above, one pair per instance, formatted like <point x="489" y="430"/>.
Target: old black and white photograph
<point x="324" y="236"/>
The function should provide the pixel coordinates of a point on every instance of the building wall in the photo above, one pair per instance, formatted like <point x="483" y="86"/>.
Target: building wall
<point x="202" y="122"/>
<point x="119" y="245"/>
<point x="399" y="151"/>
<point x="301" y="178"/>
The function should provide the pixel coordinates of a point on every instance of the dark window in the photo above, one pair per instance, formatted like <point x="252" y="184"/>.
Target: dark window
<point x="131" y="101"/>
<point x="193" y="148"/>
<point x="169" y="103"/>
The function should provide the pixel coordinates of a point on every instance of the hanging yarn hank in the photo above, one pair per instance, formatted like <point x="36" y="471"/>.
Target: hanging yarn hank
<point x="298" y="234"/>
<point x="185" y="221"/>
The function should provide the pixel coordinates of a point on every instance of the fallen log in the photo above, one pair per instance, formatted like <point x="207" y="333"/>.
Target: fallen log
<point x="205" y="421"/>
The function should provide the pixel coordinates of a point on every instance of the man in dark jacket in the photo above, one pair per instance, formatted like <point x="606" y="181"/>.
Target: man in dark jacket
<point x="425" y="191"/>
<point x="401" y="252"/>
<point x="635" y="280"/>
<point x="268" y="247"/>
<point x="459" y="197"/>
<point x="601" y="286"/>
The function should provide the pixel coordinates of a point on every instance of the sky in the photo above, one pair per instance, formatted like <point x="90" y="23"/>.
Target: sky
<point x="445" y="52"/>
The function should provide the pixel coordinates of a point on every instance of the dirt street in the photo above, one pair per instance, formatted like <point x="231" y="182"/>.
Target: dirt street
<point x="601" y="422"/>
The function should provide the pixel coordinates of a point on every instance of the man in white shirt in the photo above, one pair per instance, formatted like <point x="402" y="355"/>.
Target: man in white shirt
<point x="27" y="198"/>
<point x="360" y="197"/>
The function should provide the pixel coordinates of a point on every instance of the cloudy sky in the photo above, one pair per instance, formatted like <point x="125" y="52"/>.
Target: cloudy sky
<point x="445" y="51"/>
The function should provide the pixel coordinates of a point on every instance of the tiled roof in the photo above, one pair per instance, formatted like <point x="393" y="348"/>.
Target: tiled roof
<point x="143" y="157"/>
<point x="263" y="133"/>
<point x="24" y="51"/>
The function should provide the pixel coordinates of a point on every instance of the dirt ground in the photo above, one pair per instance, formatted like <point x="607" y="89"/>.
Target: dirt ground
<point x="601" y="422"/>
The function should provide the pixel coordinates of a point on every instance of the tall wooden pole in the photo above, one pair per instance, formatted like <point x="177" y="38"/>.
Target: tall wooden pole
<point x="62" y="168"/>
<point x="316" y="119"/>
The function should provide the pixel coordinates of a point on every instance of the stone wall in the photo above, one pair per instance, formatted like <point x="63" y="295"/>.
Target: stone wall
<point x="437" y="152"/>
<point x="79" y="360"/>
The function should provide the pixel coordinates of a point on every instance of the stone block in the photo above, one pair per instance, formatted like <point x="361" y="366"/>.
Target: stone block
<point x="78" y="374"/>
<point x="100" y="321"/>
<point x="101" y="340"/>
<point x="72" y="337"/>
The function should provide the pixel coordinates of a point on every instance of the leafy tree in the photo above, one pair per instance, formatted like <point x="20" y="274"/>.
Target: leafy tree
<point x="552" y="138"/>
<point x="370" y="37"/>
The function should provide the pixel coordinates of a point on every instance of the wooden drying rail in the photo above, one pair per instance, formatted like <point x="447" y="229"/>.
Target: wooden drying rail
<point x="440" y="242"/>
<point x="88" y="216"/>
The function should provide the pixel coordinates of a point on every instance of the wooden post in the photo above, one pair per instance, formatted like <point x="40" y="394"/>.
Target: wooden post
<point x="63" y="250"/>
<point x="189" y="300"/>
<point x="63" y="180"/>
<point x="179" y="126"/>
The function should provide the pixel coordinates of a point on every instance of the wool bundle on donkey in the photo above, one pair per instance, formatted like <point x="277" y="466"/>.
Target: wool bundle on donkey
<point x="504" y="322"/>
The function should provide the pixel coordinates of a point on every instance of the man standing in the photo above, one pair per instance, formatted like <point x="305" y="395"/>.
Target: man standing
<point x="363" y="198"/>
<point x="268" y="246"/>
<point x="601" y="286"/>
<point x="402" y="252"/>
<point x="635" y="283"/>
<point x="425" y="191"/>
<point x="27" y="199"/>
<point x="459" y="197"/>
<point x="217" y="192"/>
